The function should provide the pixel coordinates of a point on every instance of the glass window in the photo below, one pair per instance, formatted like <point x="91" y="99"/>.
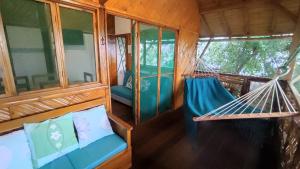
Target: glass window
<point x="148" y="71"/>
<point x="167" y="70"/>
<point x="78" y="39"/>
<point x="29" y="35"/>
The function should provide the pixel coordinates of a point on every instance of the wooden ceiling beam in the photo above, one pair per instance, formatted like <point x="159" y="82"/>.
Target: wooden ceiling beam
<point x="225" y="24"/>
<point x="285" y="11"/>
<point x="273" y="20"/>
<point x="209" y="31"/>
<point x="241" y="4"/>
<point x="219" y="7"/>
<point x="246" y="21"/>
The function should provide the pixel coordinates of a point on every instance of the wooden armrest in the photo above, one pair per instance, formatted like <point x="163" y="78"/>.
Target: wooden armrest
<point x="121" y="127"/>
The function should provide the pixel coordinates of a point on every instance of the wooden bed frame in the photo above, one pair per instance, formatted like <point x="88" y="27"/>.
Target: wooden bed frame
<point x="123" y="129"/>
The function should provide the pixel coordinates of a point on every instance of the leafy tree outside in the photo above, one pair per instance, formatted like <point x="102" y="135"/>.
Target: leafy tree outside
<point x="256" y="58"/>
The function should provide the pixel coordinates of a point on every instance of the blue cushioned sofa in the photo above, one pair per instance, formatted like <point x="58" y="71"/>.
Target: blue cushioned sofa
<point x="110" y="152"/>
<point x="121" y="93"/>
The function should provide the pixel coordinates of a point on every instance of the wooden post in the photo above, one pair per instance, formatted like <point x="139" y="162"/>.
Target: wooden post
<point x="158" y="70"/>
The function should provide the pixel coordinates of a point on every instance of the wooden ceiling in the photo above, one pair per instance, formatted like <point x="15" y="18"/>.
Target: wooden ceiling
<point x="234" y="18"/>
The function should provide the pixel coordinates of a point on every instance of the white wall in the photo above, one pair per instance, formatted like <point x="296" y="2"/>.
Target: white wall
<point x="81" y="58"/>
<point x="27" y="51"/>
<point x="122" y="25"/>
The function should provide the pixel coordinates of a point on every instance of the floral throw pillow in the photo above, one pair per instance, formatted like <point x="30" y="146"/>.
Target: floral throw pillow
<point x="51" y="139"/>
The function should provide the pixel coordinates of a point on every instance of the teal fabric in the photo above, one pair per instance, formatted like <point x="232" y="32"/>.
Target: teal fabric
<point x="203" y="95"/>
<point x="60" y="163"/>
<point x="97" y="152"/>
<point x="122" y="91"/>
<point x="90" y="156"/>
<point x="148" y="99"/>
<point x="166" y="93"/>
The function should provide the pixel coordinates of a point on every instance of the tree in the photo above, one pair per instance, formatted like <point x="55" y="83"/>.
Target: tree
<point x="256" y="58"/>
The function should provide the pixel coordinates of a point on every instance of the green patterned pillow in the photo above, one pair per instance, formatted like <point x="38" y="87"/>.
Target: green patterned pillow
<point x="51" y="139"/>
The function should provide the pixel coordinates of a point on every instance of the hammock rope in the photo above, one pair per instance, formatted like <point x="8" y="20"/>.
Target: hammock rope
<point x="267" y="101"/>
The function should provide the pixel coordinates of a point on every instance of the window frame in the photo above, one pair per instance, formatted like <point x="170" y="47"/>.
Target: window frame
<point x="5" y="63"/>
<point x="96" y="51"/>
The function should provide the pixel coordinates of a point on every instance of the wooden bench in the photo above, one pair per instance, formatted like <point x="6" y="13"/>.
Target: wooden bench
<point x="123" y="129"/>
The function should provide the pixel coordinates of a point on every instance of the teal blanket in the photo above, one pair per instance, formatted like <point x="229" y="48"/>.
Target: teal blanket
<point x="203" y="95"/>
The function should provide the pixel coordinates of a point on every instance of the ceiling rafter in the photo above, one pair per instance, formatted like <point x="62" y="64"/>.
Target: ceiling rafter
<point x="273" y="20"/>
<point x="237" y="5"/>
<point x="242" y="4"/>
<point x="225" y="23"/>
<point x="285" y="11"/>
<point x="209" y="31"/>
<point x="246" y="20"/>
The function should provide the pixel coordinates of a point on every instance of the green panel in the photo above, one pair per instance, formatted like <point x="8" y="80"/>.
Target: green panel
<point x="148" y="50"/>
<point x="167" y="70"/>
<point x="29" y="35"/>
<point x="79" y="45"/>
<point x="148" y="71"/>
<point x="148" y="96"/>
<point x="167" y="51"/>
<point x="166" y="92"/>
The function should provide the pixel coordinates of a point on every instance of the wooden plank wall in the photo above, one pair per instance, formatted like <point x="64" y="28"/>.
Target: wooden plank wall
<point x="180" y="15"/>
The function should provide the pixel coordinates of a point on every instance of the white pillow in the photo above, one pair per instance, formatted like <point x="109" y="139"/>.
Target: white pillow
<point x="14" y="151"/>
<point x="91" y="125"/>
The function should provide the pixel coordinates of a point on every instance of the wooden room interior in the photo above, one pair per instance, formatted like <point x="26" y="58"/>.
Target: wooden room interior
<point x="131" y="61"/>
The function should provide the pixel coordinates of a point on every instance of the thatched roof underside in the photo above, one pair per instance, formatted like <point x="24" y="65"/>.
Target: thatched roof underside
<point x="234" y="18"/>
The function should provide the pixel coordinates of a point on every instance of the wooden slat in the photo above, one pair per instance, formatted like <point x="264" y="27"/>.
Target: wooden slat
<point x="285" y="11"/>
<point x="210" y="32"/>
<point x="18" y="123"/>
<point x="158" y="70"/>
<point x="137" y="75"/>
<point x="230" y="6"/>
<point x="247" y="116"/>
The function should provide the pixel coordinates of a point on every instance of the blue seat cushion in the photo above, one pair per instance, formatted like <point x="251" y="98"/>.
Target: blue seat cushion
<point x="122" y="91"/>
<point x="98" y="152"/>
<point x="61" y="162"/>
<point x="90" y="156"/>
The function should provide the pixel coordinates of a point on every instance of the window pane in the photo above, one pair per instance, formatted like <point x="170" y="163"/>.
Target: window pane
<point x="78" y="37"/>
<point x="148" y="71"/>
<point x="29" y="34"/>
<point x="167" y="70"/>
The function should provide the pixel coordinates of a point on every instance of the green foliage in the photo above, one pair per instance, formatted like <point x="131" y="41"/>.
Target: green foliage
<point x="256" y="58"/>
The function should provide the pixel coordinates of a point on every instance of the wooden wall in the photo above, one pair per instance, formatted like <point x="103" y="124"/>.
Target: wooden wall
<point x="178" y="14"/>
<point x="14" y="107"/>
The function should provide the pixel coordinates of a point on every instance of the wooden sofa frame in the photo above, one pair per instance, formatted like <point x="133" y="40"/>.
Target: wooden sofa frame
<point x="123" y="129"/>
